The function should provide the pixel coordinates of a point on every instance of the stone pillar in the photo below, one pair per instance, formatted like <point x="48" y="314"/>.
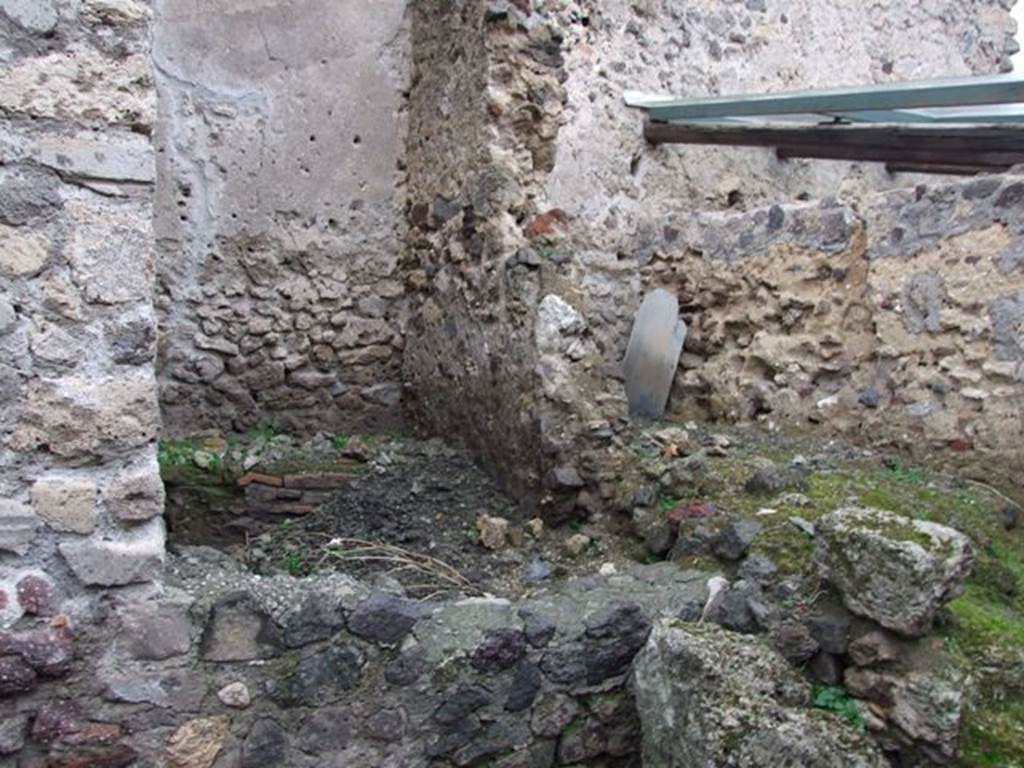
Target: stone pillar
<point x="81" y="500"/>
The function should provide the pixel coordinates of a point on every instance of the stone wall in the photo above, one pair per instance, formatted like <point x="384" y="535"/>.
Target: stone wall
<point x="279" y="217"/>
<point x="537" y="211"/>
<point x="486" y="100"/>
<point x="221" y="668"/>
<point x="898" y="320"/>
<point x="81" y="500"/>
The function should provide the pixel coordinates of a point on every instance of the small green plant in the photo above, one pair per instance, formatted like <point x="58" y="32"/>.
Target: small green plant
<point x="840" y="703"/>
<point x="266" y="431"/>
<point x="547" y="252"/>
<point x="668" y="503"/>
<point x="294" y="564"/>
<point x="172" y="454"/>
<point x="341" y="442"/>
<point x="909" y="475"/>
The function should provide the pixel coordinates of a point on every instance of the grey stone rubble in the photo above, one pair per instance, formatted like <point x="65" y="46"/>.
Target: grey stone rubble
<point x="892" y="569"/>
<point x="708" y="697"/>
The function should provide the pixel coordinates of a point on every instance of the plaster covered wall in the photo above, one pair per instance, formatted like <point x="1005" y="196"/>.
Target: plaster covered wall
<point x="279" y="219"/>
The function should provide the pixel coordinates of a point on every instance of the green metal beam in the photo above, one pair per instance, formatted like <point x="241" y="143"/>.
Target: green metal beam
<point x="974" y="91"/>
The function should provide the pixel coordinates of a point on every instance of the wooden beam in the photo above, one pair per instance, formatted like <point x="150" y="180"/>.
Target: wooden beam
<point x="993" y="139"/>
<point x="972" y="91"/>
<point x="985" y="147"/>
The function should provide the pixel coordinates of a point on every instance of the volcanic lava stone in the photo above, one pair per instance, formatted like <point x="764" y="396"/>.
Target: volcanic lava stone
<point x="733" y="541"/>
<point x="539" y="629"/>
<point x="525" y="685"/>
<point x="461" y="702"/>
<point x="16" y="676"/>
<point x="326" y="730"/>
<point x="266" y="746"/>
<point x="565" y="663"/>
<point x="501" y="649"/>
<point x="322" y="678"/>
<point x="614" y="636"/>
<point x="384" y="619"/>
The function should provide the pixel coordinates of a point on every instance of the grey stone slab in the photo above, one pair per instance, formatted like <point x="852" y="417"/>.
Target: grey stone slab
<point x="653" y="354"/>
<point x="18" y="524"/>
<point x="121" y="557"/>
<point x="34" y="15"/>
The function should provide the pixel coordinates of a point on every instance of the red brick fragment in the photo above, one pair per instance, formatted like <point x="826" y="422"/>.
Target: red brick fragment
<point x="260" y="479"/>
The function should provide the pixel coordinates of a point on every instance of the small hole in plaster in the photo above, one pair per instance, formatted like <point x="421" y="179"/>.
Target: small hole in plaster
<point x="357" y="140"/>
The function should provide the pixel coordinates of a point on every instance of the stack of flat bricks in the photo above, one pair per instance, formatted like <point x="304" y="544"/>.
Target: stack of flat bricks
<point x="290" y="495"/>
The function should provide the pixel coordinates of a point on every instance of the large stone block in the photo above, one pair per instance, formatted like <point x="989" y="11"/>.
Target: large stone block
<point x="79" y="417"/>
<point x="23" y="253"/>
<point x="18" y="524"/>
<point x="119" y="557"/>
<point x="111" y="252"/>
<point x="892" y="569"/>
<point x="66" y="503"/>
<point x="709" y="697"/>
<point x="34" y="15"/>
<point x="82" y="85"/>
<point x="113" y="157"/>
<point x="136" y="493"/>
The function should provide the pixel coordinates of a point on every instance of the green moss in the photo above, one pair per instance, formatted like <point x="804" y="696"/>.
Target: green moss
<point x="984" y="628"/>
<point x="994" y="736"/>
<point x="785" y="545"/>
<point x="984" y="621"/>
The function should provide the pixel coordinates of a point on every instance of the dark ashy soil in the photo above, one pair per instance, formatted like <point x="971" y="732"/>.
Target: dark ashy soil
<point x="417" y="500"/>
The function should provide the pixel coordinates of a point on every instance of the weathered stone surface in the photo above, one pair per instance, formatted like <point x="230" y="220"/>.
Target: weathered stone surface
<point x="66" y="503"/>
<point x="157" y="630"/>
<point x="16" y="676"/>
<point x="74" y="417"/>
<point x="319" y="615"/>
<point x="8" y="317"/>
<point x="22" y="254"/>
<point x="197" y="743"/>
<point x="239" y="630"/>
<point x="137" y="493"/>
<point x="892" y="569"/>
<point x="235" y="695"/>
<point x="120" y="92"/>
<point x="34" y="15"/>
<point x="735" y="538"/>
<point x="18" y="524"/>
<point x="11" y="609"/>
<point x="326" y="730"/>
<point x="178" y="690"/>
<point x="12" y="734"/>
<point x="114" y="12"/>
<point x="321" y="678"/>
<point x="493" y="531"/>
<point x="265" y="746"/>
<point x="653" y="354"/>
<point x="384" y="619"/>
<point x="875" y="647"/>
<point x="923" y="697"/>
<point x="501" y="649"/>
<point x="709" y="697"/>
<point x="37" y="594"/>
<point x="48" y="651"/>
<point x="111" y="255"/>
<point x="118" y="557"/>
